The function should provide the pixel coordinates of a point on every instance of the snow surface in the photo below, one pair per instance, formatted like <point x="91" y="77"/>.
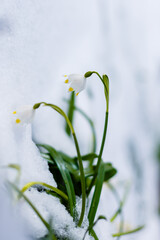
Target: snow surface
<point x="11" y="226"/>
<point x="42" y="40"/>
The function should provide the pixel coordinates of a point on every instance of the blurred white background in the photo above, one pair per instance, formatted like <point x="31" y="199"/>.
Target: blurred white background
<point x="40" y="41"/>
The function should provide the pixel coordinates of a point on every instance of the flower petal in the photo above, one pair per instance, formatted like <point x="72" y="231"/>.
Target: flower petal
<point x="78" y="85"/>
<point x="25" y="114"/>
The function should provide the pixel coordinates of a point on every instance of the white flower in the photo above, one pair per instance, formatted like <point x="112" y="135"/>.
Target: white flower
<point x="24" y="114"/>
<point x="77" y="82"/>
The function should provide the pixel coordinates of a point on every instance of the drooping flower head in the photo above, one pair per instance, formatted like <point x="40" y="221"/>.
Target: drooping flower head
<point x="24" y="114"/>
<point x="77" y="82"/>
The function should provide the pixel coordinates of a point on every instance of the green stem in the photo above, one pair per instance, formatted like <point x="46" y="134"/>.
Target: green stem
<point x="93" y="234"/>
<point x="98" y="75"/>
<point x="105" y="82"/>
<point x="70" y="112"/>
<point x="106" y="90"/>
<point x="128" y="232"/>
<point x="100" y="154"/>
<point x="103" y="142"/>
<point x="82" y="181"/>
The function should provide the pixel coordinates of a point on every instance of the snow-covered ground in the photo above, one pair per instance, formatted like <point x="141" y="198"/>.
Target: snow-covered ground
<point x="42" y="40"/>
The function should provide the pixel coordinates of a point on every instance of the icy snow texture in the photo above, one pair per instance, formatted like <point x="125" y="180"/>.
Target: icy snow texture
<point x="52" y="210"/>
<point x="42" y="40"/>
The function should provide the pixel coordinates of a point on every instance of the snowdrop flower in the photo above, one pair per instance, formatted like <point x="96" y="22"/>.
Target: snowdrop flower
<point x="77" y="82"/>
<point x="24" y="114"/>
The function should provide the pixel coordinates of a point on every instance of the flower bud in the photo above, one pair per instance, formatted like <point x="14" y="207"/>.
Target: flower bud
<point x="88" y="74"/>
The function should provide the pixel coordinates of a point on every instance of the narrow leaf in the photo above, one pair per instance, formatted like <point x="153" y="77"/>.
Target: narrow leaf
<point x="101" y="217"/>
<point x="128" y="232"/>
<point x="97" y="193"/>
<point x="56" y="190"/>
<point x="65" y="175"/>
<point x="88" y="157"/>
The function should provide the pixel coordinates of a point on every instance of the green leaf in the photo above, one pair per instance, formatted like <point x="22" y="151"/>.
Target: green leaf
<point x="15" y="166"/>
<point x="110" y="171"/>
<point x="88" y="157"/>
<point x="56" y="190"/>
<point x="65" y="175"/>
<point x="66" y="158"/>
<point x="97" y="193"/>
<point x="93" y="234"/>
<point x="47" y="157"/>
<point x="105" y="80"/>
<point x="69" y="159"/>
<point x="121" y="202"/>
<point x="106" y="83"/>
<point x="70" y="163"/>
<point x="101" y="217"/>
<point x="49" y="192"/>
<point x="128" y="232"/>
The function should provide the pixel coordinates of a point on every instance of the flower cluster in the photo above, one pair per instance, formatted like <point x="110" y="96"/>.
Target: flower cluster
<point x="25" y="114"/>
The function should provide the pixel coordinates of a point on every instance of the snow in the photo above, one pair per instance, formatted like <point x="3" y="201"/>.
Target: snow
<point x="42" y="40"/>
<point x="52" y="210"/>
<point x="11" y="226"/>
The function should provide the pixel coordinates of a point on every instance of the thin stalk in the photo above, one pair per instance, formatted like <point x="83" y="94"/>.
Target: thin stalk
<point x="17" y="168"/>
<point x="70" y="112"/>
<point x="106" y="89"/>
<point x="121" y="205"/>
<point x="115" y="193"/>
<point x="107" y="102"/>
<point x="100" y="154"/>
<point x="120" y="209"/>
<point x="128" y="232"/>
<point x="121" y="202"/>
<point x="82" y="180"/>
<point x="98" y="75"/>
